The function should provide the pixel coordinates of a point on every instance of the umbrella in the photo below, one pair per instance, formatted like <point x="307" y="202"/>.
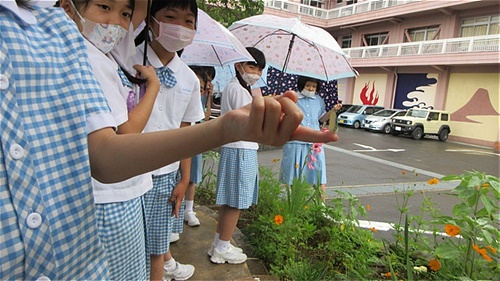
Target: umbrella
<point x="214" y="45"/>
<point x="294" y="47"/>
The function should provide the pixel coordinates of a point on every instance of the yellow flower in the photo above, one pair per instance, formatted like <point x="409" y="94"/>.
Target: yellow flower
<point x="278" y="219"/>
<point x="452" y="230"/>
<point x="276" y="160"/>
<point x="306" y="207"/>
<point x="296" y="165"/>
<point x="434" y="265"/>
<point x="433" y="181"/>
<point x="368" y="207"/>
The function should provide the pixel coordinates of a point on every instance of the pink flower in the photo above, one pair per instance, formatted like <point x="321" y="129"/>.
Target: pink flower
<point x="310" y="165"/>
<point x="316" y="147"/>
<point x="313" y="158"/>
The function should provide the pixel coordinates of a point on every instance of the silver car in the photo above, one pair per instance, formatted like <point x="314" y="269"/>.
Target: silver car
<point x="381" y="120"/>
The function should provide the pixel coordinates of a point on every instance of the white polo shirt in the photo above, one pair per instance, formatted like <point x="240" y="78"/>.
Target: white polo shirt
<point x="235" y="96"/>
<point x="180" y="103"/>
<point x="105" y="69"/>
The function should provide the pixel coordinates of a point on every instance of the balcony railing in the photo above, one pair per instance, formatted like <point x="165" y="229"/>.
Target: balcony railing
<point x="327" y="14"/>
<point x="488" y="43"/>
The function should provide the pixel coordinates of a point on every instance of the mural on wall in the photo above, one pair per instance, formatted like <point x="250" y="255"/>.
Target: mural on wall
<point x="370" y="89"/>
<point x="416" y="90"/>
<point x="278" y="82"/>
<point x="474" y="104"/>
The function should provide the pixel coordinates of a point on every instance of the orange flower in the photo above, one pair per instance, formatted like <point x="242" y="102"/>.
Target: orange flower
<point x="368" y="207"/>
<point x="296" y="165"/>
<point x="403" y="172"/>
<point x="276" y="160"/>
<point x="306" y="207"/>
<point x="278" y="219"/>
<point x="434" y="264"/>
<point x="493" y="250"/>
<point x="482" y="252"/>
<point x="485" y="184"/>
<point x="452" y="230"/>
<point x="373" y="229"/>
<point x="433" y="181"/>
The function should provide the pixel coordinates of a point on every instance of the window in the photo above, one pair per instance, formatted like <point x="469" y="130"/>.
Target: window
<point x="375" y="39"/>
<point x="314" y="3"/>
<point x="350" y="2"/>
<point x="434" y="115"/>
<point x="422" y="34"/>
<point x="346" y="41"/>
<point x="479" y="26"/>
<point x="444" y="117"/>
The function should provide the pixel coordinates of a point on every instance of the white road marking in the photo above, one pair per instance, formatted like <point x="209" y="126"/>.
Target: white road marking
<point x="371" y="148"/>
<point x="473" y="151"/>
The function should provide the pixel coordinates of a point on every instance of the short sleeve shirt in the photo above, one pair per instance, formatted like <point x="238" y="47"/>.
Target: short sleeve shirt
<point x="49" y="102"/>
<point x="181" y="103"/>
<point x="313" y="109"/>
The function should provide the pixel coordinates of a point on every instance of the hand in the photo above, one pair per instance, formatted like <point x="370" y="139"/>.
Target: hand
<point x="271" y="121"/>
<point x="337" y="107"/>
<point x="177" y="197"/>
<point x="148" y="73"/>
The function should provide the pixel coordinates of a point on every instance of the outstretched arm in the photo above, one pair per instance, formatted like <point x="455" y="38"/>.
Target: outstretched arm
<point x="271" y="121"/>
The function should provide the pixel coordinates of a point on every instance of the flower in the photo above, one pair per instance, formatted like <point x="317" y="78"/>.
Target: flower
<point x="433" y="181"/>
<point x="420" y="269"/>
<point x="435" y="265"/>
<point x="493" y="250"/>
<point x="296" y="165"/>
<point x="368" y="208"/>
<point x="276" y="160"/>
<point x="316" y="147"/>
<point x="482" y="252"/>
<point x="278" y="219"/>
<point x="403" y="172"/>
<point x="373" y="229"/>
<point x="452" y="230"/>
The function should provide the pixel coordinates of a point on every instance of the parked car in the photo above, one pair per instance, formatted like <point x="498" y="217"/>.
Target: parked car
<point x="215" y="105"/>
<point x="420" y="122"/>
<point x="355" y="115"/>
<point x="344" y="108"/>
<point x="381" y="120"/>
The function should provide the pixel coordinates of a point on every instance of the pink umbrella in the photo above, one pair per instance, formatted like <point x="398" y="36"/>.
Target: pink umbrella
<point x="214" y="45"/>
<point x="294" y="47"/>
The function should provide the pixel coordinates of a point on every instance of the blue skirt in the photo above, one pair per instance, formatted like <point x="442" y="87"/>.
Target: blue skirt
<point x="196" y="169"/>
<point x="295" y="164"/>
<point x="238" y="178"/>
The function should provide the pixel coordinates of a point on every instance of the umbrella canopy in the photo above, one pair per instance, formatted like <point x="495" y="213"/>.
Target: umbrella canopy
<point x="294" y="47"/>
<point x="214" y="45"/>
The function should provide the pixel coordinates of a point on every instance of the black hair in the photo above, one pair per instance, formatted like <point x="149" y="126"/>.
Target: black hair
<point x="158" y="5"/>
<point x="260" y="61"/>
<point x="301" y="83"/>
<point x="24" y="3"/>
<point x="210" y="71"/>
<point x="199" y="71"/>
<point x="84" y="3"/>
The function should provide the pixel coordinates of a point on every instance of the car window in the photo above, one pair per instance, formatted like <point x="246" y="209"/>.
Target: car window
<point x="434" y="116"/>
<point x="444" y="117"/>
<point x="400" y="113"/>
<point x="384" y="113"/>
<point x="354" y="108"/>
<point x="417" y="113"/>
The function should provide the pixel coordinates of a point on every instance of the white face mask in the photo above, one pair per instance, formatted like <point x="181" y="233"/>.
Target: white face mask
<point x="104" y="36"/>
<point x="249" y="78"/>
<point x="174" y="37"/>
<point x="307" y="93"/>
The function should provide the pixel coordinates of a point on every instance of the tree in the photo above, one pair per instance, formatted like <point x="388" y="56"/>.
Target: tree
<point x="228" y="11"/>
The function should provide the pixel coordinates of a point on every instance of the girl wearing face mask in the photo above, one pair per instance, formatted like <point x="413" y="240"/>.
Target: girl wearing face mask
<point x="238" y="175"/>
<point x="296" y="153"/>
<point x="105" y="24"/>
<point x="172" y="27"/>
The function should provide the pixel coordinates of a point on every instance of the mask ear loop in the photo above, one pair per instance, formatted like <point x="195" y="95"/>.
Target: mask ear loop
<point x="146" y="34"/>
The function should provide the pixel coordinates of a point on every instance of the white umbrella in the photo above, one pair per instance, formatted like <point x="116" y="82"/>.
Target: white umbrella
<point x="214" y="45"/>
<point x="294" y="47"/>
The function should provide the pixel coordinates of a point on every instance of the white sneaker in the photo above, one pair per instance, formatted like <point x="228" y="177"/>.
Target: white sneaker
<point x="174" y="237"/>
<point x="181" y="272"/>
<point x="235" y="249"/>
<point x="229" y="256"/>
<point x="191" y="219"/>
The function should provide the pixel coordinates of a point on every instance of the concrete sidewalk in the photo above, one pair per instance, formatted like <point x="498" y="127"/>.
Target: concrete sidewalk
<point x="193" y="246"/>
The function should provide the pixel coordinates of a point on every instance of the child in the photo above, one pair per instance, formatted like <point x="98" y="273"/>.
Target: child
<point x="296" y="153"/>
<point x="57" y="130"/>
<point x="173" y="24"/>
<point x="119" y="209"/>
<point x="237" y="178"/>
<point x="205" y="75"/>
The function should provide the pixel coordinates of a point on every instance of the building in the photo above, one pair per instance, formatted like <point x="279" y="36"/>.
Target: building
<point x="442" y="54"/>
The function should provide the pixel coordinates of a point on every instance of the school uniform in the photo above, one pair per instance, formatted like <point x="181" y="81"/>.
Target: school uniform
<point x="50" y="101"/>
<point x="238" y="173"/>
<point x="119" y="206"/>
<point x="196" y="174"/>
<point x="173" y="105"/>
<point x="296" y="154"/>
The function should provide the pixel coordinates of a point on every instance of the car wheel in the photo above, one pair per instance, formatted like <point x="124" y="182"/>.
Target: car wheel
<point x="443" y="135"/>
<point x="394" y="132"/>
<point x="417" y="133"/>
<point x="387" y="129"/>
<point x="356" y="125"/>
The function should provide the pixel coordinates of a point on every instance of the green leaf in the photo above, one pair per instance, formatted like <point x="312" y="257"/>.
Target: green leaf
<point x="462" y="209"/>
<point x="447" y="251"/>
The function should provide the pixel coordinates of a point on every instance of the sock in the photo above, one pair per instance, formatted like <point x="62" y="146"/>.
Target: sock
<point x="189" y="205"/>
<point x="222" y="245"/>
<point x="170" y="265"/>
<point x="216" y="239"/>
